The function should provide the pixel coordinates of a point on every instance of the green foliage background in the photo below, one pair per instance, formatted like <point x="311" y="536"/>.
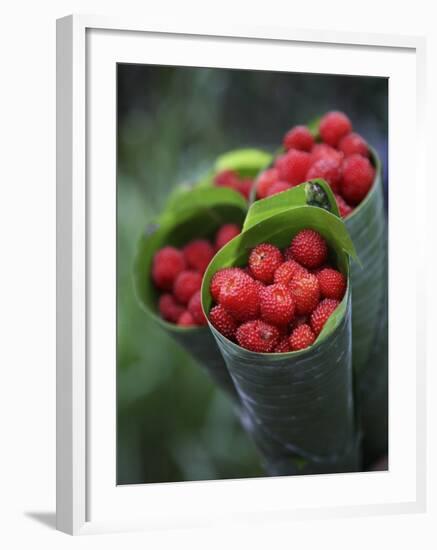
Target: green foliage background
<point x="173" y="425"/>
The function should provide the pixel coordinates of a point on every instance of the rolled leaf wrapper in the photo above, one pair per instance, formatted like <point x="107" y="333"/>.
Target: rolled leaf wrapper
<point x="367" y="226"/>
<point x="197" y="215"/>
<point x="298" y="406"/>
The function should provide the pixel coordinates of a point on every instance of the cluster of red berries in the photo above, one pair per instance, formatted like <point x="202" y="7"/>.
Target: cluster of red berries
<point x="230" y="178"/>
<point x="341" y="158"/>
<point x="178" y="276"/>
<point x="282" y="299"/>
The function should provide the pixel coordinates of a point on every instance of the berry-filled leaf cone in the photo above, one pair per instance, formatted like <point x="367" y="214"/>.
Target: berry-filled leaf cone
<point x="298" y="406"/>
<point x="353" y="170"/>
<point x="196" y="219"/>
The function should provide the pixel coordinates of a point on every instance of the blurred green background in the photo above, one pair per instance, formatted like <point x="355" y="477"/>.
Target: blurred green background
<point x="172" y="424"/>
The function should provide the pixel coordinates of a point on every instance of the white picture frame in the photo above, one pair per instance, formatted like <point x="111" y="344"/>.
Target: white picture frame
<point x="87" y="49"/>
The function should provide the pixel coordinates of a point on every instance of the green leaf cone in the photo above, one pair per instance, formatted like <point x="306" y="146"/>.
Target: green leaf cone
<point x="367" y="227"/>
<point x="299" y="406"/>
<point x="195" y="211"/>
<point x="208" y="209"/>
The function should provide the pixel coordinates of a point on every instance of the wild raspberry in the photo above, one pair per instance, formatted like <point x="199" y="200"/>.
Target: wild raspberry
<point x="283" y="346"/>
<point x="358" y="176"/>
<point x="169" y="309"/>
<point x="333" y="126"/>
<point x="293" y="166"/>
<point x="300" y="138"/>
<point x="301" y="338"/>
<point x="287" y="271"/>
<point x="328" y="169"/>
<point x="309" y="248"/>
<point x="198" y="254"/>
<point x="245" y="187"/>
<point x="353" y="144"/>
<point x="167" y="264"/>
<point x="322" y="313"/>
<point x="195" y="308"/>
<point x="305" y="292"/>
<point x="265" y="180"/>
<point x="227" y="178"/>
<point x="223" y="322"/>
<point x="186" y="319"/>
<point x="218" y="279"/>
<point x="332" y="283"/>
<point x="278" y="187"/>
<point x="276" y="304"/>
<point x="239" y="295"/>
<point x="324" y="151"/>
<point x="225" y="234"/>
<point x="186" y="285"/>
<point x="258" y="336"/>
<point x="264" y="260"/>
<point x="343" y="206"/>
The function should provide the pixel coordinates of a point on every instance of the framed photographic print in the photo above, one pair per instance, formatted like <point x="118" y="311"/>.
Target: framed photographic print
<point x="231" y="275"/>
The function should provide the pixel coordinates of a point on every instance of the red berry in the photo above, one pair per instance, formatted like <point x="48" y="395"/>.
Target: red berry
<point x="169" y="309"/>
<point x="293" y="166"/>
<point x="265" y="180"/>
<point x="186" y="319"/>
<point x="278" y="187"/>
<point x="300" y="138"/>
<point x="218" y="279"/>
<point x="309" y="248"/>
<point x="239" y="295"/>
<point x="306" y="293"/>
<point x="358" y="176"/>
<point x="227" y="178"/>
<point x="332" y="283"/>
<point x="167" y="264"/>
<point x="287" y="271"/>
<point x="328" y="169"/>
<point x="186" y="285"/>
<point x="223" y="322"/>
<point x="198" y="254"/>
<point x="324" y="151"/>
<point x="258" y="336"/>
<point x="343" y="206"/>
<point x="333" y="126"/>
<point x="245" y="187"/>
<point x="322" y="313"/>
<point x="352" y="144"/>
<point x="276" y="304"/>
<point x="264" y="260"/>
<point x="195" y="308"/>
<point x="283" y="346"/>
<point x="225" y="234"/>
<point x="301" y="338"/>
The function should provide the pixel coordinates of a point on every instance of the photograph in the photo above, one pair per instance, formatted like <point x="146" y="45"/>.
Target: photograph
<point x="252" y="273"/>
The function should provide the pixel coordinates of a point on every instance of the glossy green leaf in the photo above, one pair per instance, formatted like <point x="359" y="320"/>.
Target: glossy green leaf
<point x="298" y="406"/>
